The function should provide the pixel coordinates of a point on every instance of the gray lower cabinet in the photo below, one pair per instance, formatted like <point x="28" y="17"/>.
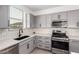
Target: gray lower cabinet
<point x="4" y="16"/>
<point x="74" y="45"/>
<point x="11" y="50"/>
<point x="40" y="21"/>
<point x="34" y="42"/>
<point x="44" y="42"/>
<point x="26" y="46"/>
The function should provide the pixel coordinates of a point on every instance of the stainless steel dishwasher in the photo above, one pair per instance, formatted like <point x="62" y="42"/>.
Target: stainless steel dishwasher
<point x="11" y="50"/>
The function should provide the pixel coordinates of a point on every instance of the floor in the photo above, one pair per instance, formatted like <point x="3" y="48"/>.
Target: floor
<point x="40" y="51"/>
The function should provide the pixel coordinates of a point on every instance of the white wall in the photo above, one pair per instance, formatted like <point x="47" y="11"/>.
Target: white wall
<point x="57" y="9"/>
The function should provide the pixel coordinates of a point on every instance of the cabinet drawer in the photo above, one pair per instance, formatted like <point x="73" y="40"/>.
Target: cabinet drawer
<point x="40" y="46"/>
<point x="23" y="49"/>
<point x="25" y="41"/>
<point x="39" y="41"/>
<point x="47" y="42"/>
<point x="48" y="47"/>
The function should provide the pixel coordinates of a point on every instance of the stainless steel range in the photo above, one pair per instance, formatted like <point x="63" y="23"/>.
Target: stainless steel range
<point x="60" y="42"/>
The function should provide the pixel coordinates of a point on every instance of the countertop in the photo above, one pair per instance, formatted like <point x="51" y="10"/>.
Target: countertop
<point x="10" y="42"/>
<point x="74" y="37"/>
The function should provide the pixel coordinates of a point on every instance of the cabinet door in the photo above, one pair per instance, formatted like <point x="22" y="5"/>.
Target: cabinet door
<point x="37" y="22"/>
<point x="32" y="21"/>
<point x="4" y="16"/>
<point x="41" y="21"/>
<point x="47" y="46"/>
<point x="73" y="19"/>
<point x="24" y="49"/>
<point x="30" y="46"/>
<point x="39" y="42"/>
<point x="34" y="42"/>
<point x="74" y="45"/>
<point x="48" y="21"/>
<point x="59" y="16"/>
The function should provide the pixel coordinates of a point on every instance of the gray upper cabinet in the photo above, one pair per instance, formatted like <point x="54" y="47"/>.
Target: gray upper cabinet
<point x="40" y="21"/>
<point x="32" y="21"/>
<point x="48" y="21"/>
<point x="4" y="16"/>
<point x="45" y="21"/>
<point x="59" y="16"/>
<point x="73" y="19"/>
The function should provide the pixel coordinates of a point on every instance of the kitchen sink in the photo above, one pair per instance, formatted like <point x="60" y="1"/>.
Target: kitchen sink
<point x="21" y="38"/>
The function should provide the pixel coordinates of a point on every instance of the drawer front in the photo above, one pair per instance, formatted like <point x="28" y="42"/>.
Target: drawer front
<point x="25" y="41"/>
<point x="47" y="47"/>
<point x="40" y="46"/>
<point x="39" y="41"/>
<point x="44" y="46"/>
<point x="58" y="51"/>
<point x="47" y="42"/>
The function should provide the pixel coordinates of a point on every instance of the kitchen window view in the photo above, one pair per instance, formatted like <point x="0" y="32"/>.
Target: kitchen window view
<point x="41" y="29"/>
<point x="16" y="18"/>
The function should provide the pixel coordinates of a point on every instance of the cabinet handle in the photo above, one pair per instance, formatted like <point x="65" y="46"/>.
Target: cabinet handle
<point x="46" y="47"/>
<point x="34" y="42"/>
<point x="59" y="16"/>
<point x="40" y="25"/>
<point x="27" y="46"/>
<point x="8" y="23"/>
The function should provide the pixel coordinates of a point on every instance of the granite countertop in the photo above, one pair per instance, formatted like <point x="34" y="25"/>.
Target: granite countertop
<point x="10" y="41"/>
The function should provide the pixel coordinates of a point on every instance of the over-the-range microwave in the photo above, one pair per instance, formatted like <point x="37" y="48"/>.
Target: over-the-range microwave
<point x="59" y="24"/>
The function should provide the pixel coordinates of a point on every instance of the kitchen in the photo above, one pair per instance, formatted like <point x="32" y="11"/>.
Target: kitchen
<point x="39" y="29"/>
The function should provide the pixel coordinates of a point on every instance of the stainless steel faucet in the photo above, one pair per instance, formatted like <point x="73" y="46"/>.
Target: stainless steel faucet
<point x="20" y="32"/>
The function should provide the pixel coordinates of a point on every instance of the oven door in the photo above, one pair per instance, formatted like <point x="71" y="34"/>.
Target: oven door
<point x="60" y="45"/>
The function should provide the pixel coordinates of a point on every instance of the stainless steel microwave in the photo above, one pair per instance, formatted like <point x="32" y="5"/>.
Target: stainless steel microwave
<point x="59" y="24"/>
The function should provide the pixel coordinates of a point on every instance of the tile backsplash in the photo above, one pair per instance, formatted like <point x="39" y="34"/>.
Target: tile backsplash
<point x="70" y="32"/>
<point x="8" y="34"/>
<point x="11" y="34"/>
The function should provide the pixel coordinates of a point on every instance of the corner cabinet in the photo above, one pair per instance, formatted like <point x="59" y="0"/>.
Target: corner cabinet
<point x="4" y="16"/>
<point x="44" y="42"/>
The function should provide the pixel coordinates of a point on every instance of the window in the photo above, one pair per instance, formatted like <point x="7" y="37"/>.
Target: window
<point x="16" y="18"/>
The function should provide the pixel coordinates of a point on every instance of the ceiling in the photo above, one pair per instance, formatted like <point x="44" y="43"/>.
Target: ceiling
<point x="41" y="7"/>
